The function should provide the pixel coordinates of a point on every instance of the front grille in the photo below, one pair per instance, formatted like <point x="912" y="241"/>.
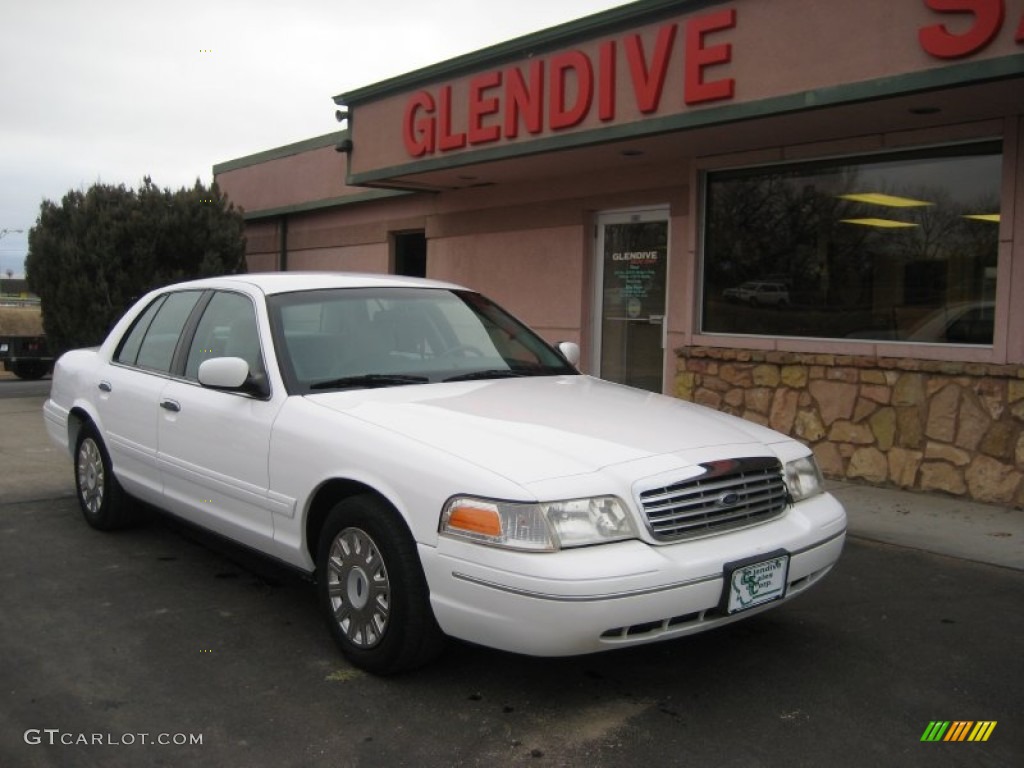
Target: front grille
<point x="731" y="494"/>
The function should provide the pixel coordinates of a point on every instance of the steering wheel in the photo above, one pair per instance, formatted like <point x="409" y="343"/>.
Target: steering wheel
<point x="466" y="348"/>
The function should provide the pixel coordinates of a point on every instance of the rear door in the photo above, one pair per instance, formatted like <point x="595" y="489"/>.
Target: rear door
<point x="129" y="390"/>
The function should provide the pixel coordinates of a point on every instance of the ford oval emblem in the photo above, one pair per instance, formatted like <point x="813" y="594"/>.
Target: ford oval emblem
<point x="730" y="499"/>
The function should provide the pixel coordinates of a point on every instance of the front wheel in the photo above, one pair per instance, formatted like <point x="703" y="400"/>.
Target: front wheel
<point x="372" y="590"/>
<point x="103" y="502"/>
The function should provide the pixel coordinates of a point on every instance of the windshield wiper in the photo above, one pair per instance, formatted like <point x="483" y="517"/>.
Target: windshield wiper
<point x="370" y="381"/>
<point x="493" y="373"/>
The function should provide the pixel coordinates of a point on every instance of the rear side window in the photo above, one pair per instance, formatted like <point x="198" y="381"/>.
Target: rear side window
<point x="159" y="329"/>
<point x="129" y="349"/>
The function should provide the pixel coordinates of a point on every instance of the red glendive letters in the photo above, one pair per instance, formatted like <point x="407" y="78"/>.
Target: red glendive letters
<point x="558" y="92"/>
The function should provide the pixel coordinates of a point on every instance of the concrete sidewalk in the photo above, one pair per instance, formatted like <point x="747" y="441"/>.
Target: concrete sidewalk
<point x="941" y="524"/>
<point x="33" y="468"/>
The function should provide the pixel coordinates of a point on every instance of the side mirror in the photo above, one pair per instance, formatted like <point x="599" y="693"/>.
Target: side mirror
<point x="231" y="374"/>
<point x="570" y="350"/>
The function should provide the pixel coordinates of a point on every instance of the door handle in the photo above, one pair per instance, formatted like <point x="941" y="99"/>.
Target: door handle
<point x="170" y="405"/>
<point x="656" y="319"/>
<point x="104" y="386"/>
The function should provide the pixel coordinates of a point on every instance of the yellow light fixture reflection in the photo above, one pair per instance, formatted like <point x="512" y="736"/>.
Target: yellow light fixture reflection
<point x="882" y="223"/>
<point x="983" y="216"/>
<point x="889" y="201"/>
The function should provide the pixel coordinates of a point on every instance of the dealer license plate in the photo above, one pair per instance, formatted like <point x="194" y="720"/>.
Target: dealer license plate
<point x="757" y="583"/>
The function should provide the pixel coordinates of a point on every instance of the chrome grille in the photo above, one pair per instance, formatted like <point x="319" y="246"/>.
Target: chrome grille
<point x="731" y="494"/>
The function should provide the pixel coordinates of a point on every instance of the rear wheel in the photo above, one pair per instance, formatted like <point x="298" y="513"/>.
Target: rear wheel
<point x="372" y="590"/>
<point x="103" y="502"/>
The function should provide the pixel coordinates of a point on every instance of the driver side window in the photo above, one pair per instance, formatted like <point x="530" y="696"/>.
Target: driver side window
<point x="227" y="329"/>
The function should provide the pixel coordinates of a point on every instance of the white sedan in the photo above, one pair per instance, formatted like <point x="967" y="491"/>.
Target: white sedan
<point x="438" y="468"/>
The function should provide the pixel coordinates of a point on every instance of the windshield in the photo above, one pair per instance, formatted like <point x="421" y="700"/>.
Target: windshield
<point x="373" y="337"/>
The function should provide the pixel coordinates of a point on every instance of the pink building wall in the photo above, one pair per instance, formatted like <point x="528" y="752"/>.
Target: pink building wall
<point x="354" y="258"/>
<point x="537" y="274"/>
<point x="317" y="174"/>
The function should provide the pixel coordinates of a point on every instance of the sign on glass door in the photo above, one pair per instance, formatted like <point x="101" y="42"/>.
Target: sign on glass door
<point x="633" y="250"/>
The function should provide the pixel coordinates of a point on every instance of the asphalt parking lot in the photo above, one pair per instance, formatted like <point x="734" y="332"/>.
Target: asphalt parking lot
<point x="156" y="634"/>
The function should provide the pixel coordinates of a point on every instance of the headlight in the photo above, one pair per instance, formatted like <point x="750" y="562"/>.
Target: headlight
<point x="539" y="527"/>
<point x="803" y="478"/>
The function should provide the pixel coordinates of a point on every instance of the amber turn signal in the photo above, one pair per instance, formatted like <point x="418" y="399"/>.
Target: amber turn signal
<point x="475" y="520"/>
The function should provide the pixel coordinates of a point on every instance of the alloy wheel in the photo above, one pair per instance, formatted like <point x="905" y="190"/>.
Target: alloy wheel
<point x="358" y="588"/>
<point x="91" y="475"/>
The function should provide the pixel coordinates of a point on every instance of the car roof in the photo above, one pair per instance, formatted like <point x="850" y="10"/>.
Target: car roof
<point x="287" y="282"/>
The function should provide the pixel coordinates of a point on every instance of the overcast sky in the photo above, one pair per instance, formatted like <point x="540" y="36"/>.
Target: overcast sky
<point x="113" y="90"/>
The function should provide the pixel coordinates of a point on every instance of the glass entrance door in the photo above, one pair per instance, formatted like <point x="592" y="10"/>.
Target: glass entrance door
<point x="632" y="253"/>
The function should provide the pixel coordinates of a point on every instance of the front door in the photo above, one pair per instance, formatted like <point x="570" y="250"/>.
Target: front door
<point x="632" y="256"/>
<point x="214" y="446"/>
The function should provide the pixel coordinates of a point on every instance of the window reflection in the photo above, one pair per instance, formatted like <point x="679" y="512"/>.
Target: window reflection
<point x="889" y="248"/>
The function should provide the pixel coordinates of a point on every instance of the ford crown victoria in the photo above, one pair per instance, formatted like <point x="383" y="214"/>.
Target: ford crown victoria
<point x="437" y="468"/>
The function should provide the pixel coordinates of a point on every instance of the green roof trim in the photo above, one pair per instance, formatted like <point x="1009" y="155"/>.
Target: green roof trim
<point x="850" y="93"/>
<point x="545" y="40"/>
<point x="317" y="142"/>
<point x="331" y="202"/>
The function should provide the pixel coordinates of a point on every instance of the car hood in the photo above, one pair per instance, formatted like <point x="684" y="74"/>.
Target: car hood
<point x="534" y="429"/>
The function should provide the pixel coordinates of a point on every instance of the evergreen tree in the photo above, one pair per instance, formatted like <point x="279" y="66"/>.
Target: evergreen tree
<point x="91" y="256"/>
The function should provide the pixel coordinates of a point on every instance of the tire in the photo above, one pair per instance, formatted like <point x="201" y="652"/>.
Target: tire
<point x="372" y="590"/>
<point x="104" y="504"/>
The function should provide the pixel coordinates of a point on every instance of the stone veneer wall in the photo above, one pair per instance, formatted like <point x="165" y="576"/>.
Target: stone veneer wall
<point x="931" y="426"/>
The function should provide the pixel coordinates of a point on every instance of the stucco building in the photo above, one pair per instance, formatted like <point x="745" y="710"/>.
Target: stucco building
<point x="810" y="214"/>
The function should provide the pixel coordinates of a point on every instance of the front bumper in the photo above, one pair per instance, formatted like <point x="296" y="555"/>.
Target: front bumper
<point x="595" y="598"/>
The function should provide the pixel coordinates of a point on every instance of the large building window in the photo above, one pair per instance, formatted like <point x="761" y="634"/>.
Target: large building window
<point x="897" y="247"/>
